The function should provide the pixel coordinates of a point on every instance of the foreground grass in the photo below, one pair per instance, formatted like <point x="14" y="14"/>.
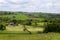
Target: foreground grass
<point x="48" y="36"/>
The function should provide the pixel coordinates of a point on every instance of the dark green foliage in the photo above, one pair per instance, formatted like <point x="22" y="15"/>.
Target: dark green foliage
<point x="27" y="22"/>
<point x="6" y="13"/>
<point x="2" y="27"/>
<point x="45" y="20"/>
<point x="14" y="21"/>
<point x="52" y="27"/>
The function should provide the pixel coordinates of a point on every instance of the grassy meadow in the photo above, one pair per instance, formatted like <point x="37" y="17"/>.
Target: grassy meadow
<point x="34" y="22"/>
<point x="48" y="36"/>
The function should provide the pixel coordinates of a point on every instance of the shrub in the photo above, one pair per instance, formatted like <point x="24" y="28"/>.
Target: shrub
<point x="27" y="22"/>
<point x="14" y="21"/>
<point x="52" y="27"/>
<point x="2" y="27"/>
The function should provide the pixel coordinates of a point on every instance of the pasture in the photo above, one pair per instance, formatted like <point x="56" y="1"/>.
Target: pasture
<point x="17" y="16"/>
<point x="36" y="26"/>
<point x="19" y="36"/>
<point x="17" y="33"/>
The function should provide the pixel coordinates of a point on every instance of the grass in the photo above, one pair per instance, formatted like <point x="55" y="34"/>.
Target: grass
<point x="18" y="16"/>
<point x="17" y="33"/>
<point x="48" y="36"/>
<point x="21" y="35"/>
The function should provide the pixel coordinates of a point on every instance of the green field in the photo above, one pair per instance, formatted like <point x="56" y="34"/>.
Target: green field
<point x="15" y="32"/>
<point x="18" y="16"/>
<point x="48" y="36"/>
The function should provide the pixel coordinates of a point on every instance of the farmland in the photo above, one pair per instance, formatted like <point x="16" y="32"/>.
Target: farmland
<point x="43" y="26"/>
<point x="49" y="36"/>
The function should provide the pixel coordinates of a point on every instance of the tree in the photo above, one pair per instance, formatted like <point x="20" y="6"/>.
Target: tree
<point x="29" y="22"/>
<point x="2" y="27"/>
<point x="25" y="29"/>
<point x="52" y="27"/>
<point x="14" y="21"/>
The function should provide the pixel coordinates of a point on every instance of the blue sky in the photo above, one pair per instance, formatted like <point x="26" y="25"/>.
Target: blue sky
<point x="52" y="6"/>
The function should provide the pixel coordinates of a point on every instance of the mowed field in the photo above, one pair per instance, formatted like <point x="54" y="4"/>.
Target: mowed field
<point x="48" y="36"/>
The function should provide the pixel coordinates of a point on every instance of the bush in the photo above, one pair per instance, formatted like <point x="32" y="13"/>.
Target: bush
<point x="2" y="27"/>
<point x="27" y="22"/>
<point x="14" y="21"/>
<point x="52" y="27"/>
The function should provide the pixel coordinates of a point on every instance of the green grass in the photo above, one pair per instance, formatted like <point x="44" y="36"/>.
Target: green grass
<point x="48" y="36"/>
<point x="40" y="19"/>
<point x="18" y="16"/>
<point x="16" y="33"/>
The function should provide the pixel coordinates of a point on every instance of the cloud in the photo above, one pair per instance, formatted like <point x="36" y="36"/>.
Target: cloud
<point x="30" y="5"/>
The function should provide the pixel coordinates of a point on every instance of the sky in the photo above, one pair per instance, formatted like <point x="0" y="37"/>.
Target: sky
<point x="50" y="6"/>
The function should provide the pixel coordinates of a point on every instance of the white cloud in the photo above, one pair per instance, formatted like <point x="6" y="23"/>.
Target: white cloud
<point x="30" y="5"/>
<point x="2" y="0"/>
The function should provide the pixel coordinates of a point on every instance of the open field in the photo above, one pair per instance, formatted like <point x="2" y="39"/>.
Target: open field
<point x="18" y="16"/>
<point x="17" y="33"/>
<point x="48" y="36"/>
<point x="12" y="26"/>
<point x="19" y="29"/>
